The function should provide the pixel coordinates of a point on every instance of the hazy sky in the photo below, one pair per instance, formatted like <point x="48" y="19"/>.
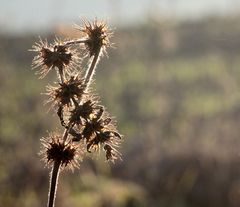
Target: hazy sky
<point x="27" y="15"/>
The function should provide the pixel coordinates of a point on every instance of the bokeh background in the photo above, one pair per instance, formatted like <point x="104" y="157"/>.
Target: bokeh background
<point x="173" y="83"/>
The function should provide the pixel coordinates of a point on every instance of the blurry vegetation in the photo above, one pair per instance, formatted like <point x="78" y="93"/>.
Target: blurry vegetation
<point x="174" y="88"/>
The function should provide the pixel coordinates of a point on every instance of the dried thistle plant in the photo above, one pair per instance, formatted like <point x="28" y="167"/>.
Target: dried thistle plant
<point x="87" y="126"/>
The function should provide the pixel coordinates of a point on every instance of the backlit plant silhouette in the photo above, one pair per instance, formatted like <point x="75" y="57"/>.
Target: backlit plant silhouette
<point x="87" y="127"/>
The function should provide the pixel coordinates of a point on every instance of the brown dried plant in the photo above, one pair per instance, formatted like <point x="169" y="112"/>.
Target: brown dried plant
<point x="87" y="126"/>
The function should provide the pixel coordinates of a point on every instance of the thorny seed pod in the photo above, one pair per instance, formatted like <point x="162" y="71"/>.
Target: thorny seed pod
<point x="67" y="92"/>
<point x="101" y="131"/>
<point x="50" y="56"/>
<point x="97" y="34"/>
<point x="84" y="111"/>
<point x="69" y="154"/>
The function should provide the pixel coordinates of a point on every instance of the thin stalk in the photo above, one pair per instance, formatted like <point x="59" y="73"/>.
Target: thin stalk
<point x="73" y="42"/>
<point x="90" y="71"/>
<point x="53" y="183"/>
<point x="55" y="172"/>
<point x="65" y="134"/>
<point x="75" y="102"/>
<point x="61" y="74"/>
<point x="66" y="131"/>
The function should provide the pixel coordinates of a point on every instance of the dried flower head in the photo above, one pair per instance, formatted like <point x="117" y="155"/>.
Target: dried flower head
<point x="69" y="154"/>
<point x="50" y="56"/>
<point x="85" y="111"/>
<point x="67" y="92"/>
<point x="101" y="130"/>
<point x="97" y="34"/>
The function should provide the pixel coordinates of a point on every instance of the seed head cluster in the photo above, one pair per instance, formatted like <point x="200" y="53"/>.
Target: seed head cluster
<point x="86" y="124"/>
<point x="96" y="128"/>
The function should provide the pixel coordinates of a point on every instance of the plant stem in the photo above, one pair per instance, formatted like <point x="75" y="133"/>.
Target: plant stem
<point x="73" y="42"/>
<point x="91" y="69"/>
<point x="65" y="134"/>
<point x="61" y="74"/>
<point x="55" y="173"/>
<point x="53" y="183"/>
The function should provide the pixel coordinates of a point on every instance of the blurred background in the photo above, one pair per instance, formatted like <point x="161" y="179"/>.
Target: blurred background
<point x="172" y="83"/>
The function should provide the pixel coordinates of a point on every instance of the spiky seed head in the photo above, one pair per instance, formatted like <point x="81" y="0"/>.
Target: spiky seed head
<point x="69" y="154"/>
<point x="101" y="131"/>
<point x="50" y="56"/>
<point x="97" y="34"/>
<point x="66" y="92"/>
<point x="85" y="110"/>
